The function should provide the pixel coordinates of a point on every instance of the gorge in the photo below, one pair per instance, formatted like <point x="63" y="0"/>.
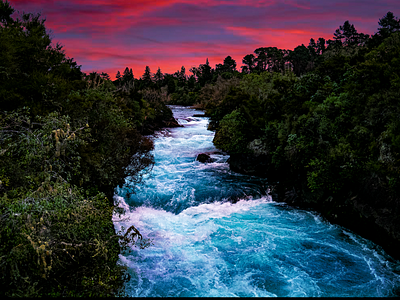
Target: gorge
<point x="215" y="232"/>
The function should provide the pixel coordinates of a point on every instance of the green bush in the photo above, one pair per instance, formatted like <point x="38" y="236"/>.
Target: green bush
<point x="230" y="135"/>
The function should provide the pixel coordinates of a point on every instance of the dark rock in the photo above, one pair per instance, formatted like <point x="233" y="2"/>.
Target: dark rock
<point x="249" y="164"/>
<point x="171" y="123"/>
<point x="149" y="128"/>
<point x="204" y="158"/>
<point x="199" y="115"/>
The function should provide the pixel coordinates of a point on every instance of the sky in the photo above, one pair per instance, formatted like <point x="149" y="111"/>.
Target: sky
<point x="110" y="35"/>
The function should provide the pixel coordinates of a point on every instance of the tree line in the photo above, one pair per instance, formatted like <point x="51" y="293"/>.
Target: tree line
<point x="182" y="87"/>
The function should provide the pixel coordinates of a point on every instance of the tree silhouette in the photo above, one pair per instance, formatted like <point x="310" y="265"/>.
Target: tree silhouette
<point x="321" y="46"/>
<point x="5" y="13"/>
<point x="389" y="24"/>
<point x="261" y="59"/>
<point x="300" y="58"/>
<point x="229" y="64"/>
<point x="203" y="73"/>
<point x="249" y="61"/>
<point x="158" y="76"/>
<point x="128" y="75"/>
<point x="347" y="35"/>
<point x="181" y="76"/>
<point x="146" y="77"/>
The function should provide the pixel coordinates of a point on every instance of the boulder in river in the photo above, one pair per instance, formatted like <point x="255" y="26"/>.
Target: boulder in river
<point x="204" y="158"/>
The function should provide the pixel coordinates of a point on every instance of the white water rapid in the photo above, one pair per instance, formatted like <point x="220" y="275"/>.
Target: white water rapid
<point x="217" y="233"/>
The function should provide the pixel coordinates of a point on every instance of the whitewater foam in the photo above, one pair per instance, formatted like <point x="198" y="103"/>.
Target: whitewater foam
<point x="217" y="233"/>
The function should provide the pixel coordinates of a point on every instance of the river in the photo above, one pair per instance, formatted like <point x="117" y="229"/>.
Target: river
<point x="217" y="233"/>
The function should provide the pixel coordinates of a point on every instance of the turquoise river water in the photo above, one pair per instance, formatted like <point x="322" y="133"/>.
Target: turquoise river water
<point x="218" y="233"/>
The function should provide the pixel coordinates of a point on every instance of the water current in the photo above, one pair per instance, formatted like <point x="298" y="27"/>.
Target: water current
<point x="218" y="233"/>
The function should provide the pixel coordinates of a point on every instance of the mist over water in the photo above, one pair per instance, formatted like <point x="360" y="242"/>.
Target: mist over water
<point x="218" y="233"/>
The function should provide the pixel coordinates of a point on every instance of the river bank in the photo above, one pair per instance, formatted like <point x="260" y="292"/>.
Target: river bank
<point x="367" y="210"/>
<point x="215" y="232"/>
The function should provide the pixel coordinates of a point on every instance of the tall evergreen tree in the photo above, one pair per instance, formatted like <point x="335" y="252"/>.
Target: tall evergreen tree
<point x="146" y="77"/>
<point x="158" y="76"/>
<point x="389" y="24"/>
<point x="347" y="35"/>
<point x="321" y="46"/>
<point x="118" y="75"/>
<point x="203" y="73"/>
<point x="128" y="75"/>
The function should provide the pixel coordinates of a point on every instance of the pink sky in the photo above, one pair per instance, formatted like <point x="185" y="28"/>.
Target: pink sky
<point x="109" y="35"/>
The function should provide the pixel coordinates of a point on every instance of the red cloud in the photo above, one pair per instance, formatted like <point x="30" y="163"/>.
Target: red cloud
<point x="280" y="38"/>
<point x="115" y="57"/>
<point x="109" y="35"/>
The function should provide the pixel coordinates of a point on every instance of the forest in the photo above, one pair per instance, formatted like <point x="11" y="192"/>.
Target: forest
<point x="67" y="139"/>
<point x="321" y="122"/>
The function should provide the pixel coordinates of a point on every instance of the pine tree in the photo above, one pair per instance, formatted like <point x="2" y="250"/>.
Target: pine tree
<point x="146" y="77"/>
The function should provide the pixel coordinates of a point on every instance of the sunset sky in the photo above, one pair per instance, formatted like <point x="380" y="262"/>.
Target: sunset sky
<point x="109" y="35"/>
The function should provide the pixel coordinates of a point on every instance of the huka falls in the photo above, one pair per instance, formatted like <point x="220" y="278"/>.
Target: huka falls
<point x="216" y="233"/>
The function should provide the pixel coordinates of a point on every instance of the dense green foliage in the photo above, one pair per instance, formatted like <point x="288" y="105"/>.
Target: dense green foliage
<point x="67" y="139"/>
<point x="323" y="120"/>
<point x="330" y="136"/>
<point x="336" y="132"/>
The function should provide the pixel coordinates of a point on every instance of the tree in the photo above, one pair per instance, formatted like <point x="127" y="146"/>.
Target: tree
<point x="171" y="85"/>
<point x="389" y="24"/>
<point x="321" y="46"/>
<point x="128" y="75"/>
<point x="347" y="35"/>
<point x="181" y="76"/>
<point x="250" y="61"/>
<point x="230" y="63"/>
<point x="5" y="13"/>
<point x="66" y="143"/>
<point x="270" y="59"/>
<point x="245" y="69"/>
<point x="146" y="77"/>
<point x="261" y="59"/>
<point x="203" y="73"/>
<point x="312" y="47"/>
<point x="275" y="59"/>
<point x="158" y="76"/>
<point x="105" y="76"/>
<point x="300" y="58"/>
<point x="228" y="66"/>
<point x="191" y="82"/>
<point x="30" y="65"/>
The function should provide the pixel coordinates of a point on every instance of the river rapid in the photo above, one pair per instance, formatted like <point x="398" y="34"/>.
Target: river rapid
<point x="217" y="233"/>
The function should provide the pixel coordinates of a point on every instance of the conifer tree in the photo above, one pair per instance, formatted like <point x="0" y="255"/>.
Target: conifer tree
<point x="146" y="77"/>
